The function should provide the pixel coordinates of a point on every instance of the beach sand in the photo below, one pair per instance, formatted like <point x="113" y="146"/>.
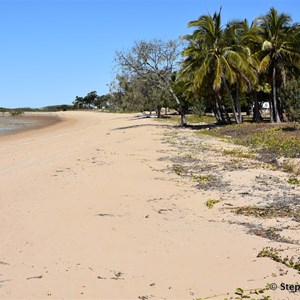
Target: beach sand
<point x="87" y="212"/>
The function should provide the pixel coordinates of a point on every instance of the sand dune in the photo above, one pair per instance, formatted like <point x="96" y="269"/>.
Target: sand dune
<point x="85" y="213"/>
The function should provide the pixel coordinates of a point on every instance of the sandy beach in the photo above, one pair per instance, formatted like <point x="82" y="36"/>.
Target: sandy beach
<point x="90" y="209"/>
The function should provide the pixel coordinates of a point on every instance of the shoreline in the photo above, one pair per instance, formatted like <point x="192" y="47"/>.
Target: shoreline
<point x="13" y="125"/>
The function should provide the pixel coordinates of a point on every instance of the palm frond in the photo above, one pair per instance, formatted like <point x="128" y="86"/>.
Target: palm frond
<point x="217" y="76"/>
<point x="265" y="63"/>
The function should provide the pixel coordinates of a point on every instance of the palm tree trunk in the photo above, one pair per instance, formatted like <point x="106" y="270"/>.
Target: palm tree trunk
<point x="257" y="118"/>
<point x="217" y="112"/>
<point x="274" y="94"/>
<point x="231" y="100"/>
<point x="271" y="109"/>
<point x="223" y="110"/>
<point x="238" y="104"/>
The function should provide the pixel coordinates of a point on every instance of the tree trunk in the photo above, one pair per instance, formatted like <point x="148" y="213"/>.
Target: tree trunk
<point x="218" y="115"/>
<point x="180" y="108"/>
<point x="231" y="100"/>
<point x="257" y="118"/>
<point x="183" y="120"/>
<point x="238" y="104"/>
<point x="158" y="111"/>
<point x="271" y="109"/>
<point x="274" y="94"/>
<point x="226" y="114"/>
<point x="223" y="110"/>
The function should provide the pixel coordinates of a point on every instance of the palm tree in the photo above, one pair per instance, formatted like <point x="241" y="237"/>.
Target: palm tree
<point x="279" y="49"/>
<point x="210" y="58"/>
<point x="246" y="73"/>
<point x="250" y="38"/>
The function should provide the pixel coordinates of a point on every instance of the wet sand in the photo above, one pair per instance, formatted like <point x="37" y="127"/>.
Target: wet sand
<point x="28" y="121"/>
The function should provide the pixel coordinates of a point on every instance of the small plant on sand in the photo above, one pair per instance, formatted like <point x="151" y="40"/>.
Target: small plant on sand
<point x="178" y="169"/>
<point x="268" y="212"/>
<point x="238" y="152"/>
<point x="240" y="294"/>
<point x="201" y="179"/>
<point x="274" y="254"/>
<point x="293" y="180"/>
<point x="288" y="167"/>
<point x="210" y="203"/>
<point x="233" y="164"/>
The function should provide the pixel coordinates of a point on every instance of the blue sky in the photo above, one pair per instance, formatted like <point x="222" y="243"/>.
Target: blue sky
<point x="54" y="50"/>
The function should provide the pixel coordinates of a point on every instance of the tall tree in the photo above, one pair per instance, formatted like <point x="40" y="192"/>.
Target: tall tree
<point x="217" y="56"/>
<point x="156" y="57"/>
<point x="142" y="94"/>
<point x="279" y="49"/>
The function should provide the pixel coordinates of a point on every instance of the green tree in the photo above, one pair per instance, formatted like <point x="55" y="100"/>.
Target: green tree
<point x="78" y="102"/>
<point x="102" y="101"/>
<point x="289" y="95"/>
<point x="90" y="99"/>
<point x="280" y="49"/>
<point x="156" y="59"/>
<point x="213" y="58"/>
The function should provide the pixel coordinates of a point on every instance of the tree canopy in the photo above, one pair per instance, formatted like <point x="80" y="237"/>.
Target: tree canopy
<point x="220" y="68"/>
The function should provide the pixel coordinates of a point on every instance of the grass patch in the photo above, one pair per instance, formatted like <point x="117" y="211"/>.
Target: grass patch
<point x="274" y="140"/>
<point x="202" y="179"/>
<point x="194" y="119"/>
<point x="210" y="203"/>
<point x="191" y="119"/>
<point x="277" y="139"/>
<point x="269" y="212"/>
<point x="293" y="180"/>
<point x="16" y="112"/>
<point x="238" y="153"/>
<point x="179" y="169"/>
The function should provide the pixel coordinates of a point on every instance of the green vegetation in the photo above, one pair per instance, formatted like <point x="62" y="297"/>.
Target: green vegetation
<point x="268" y="212"/>
<point x="270" y="139"/>
<point x="242" y="66"/>
<point x="148" y="73"/>
<point x="274" y="254"/>
<point x="92" y="100"/>
<point x="293" y="180"/>
<point x="62" y="107"/>
<point x="273" y="140"/>
<point x="238" y="153"/>
<point x="192" y="119"/>
<point x="252" y="294"/>
<point x="21" y="110"/>
<point x="16" y="112"/>
<point x="178" y="169"/>
<point x="202" y="179"/>
<point x="210" y="203"/>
